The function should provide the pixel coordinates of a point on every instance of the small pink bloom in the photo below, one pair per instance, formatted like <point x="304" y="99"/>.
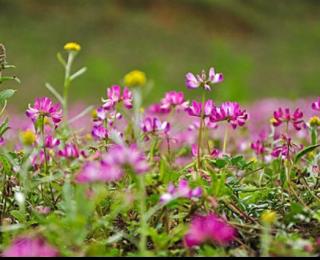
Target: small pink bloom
<point x="115" y="96"/>
<point x="154" y="125"/>
<point x="230" y="112"/>
<point x="174" y="99"/>
<point x="51" y="142"/>
<point x="202" y="80"/>
<point x="210" y="227"/>
<point x="195" y="109"/>
<point x="44" y="107"/>
<point x="316" y="105"/>
<point x="281" y="116"/>
<point x="69" y="151"/>
<point x="27" y="246"/>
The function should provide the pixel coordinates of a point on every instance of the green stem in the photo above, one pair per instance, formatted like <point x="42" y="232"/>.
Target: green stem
<point x="265" y="241"/>
<point x="225" y="139"/>
<point x="66" y="84"/>
<point x="201" y="129"/>
<point x="143" y="220"/>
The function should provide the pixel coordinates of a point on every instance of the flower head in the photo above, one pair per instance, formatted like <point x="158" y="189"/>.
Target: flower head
<point x="182" y="191"/>
<point x="43" y="107"/>
<point x="154" y="126"/>
<point x="27" y="246"/>
<point x="72" y="46"/>
<point x="281" y="116"/>
<point x="316" y="105"/>
<point x="69" y="151"/>
<point x="174" y="99"/>
<point x="203" y="80"/>
<point x="268" y="217"/>
<point x="115" y="96"/>
<point x="230" y="112"/>
<point x="28" y="137"/>
<point x="314" y="121"/>
<point x="211" y="228"/>
<point x="135" y="78"/>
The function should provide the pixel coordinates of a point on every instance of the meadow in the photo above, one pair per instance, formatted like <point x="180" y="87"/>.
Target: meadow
<point x="178" y="177"/>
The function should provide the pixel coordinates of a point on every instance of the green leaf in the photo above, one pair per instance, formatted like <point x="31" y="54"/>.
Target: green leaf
<point x="7" y="93"/>
<point x="305" y="151"/>
<point x="5" y="163"/>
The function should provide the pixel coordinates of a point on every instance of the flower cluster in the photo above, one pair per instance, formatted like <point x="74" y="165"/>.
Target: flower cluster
<point x="203" y="80"/>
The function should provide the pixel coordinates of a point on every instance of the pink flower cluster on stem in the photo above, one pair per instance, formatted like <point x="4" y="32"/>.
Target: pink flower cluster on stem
<point x="209" y="228"/>
<point x="203" y="80"/>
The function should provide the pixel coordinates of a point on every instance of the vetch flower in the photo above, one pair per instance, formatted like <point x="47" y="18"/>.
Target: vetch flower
<point x="154" y="125"/>
<point x="115" y="96"/>
<point x="202" y="80"/>
<point x="72" y="46"/>
<point x="135" y="78"/>
<point x="27" y="246"/>
<point x="316" y="105"/>
<point x="281" y="116"/>
<point x="51" y="142"/>
<point x="258" y="146"/>
<point x="230" y="112"/>
<point x="122" y="157"/>
<point x="209" y="228"/>
<point x="69" y="151"/>
<point x="195" y="109"/>
<point x="174" y="99"/>
<point x="182" y="191"/>
<point x="43" y="107"/>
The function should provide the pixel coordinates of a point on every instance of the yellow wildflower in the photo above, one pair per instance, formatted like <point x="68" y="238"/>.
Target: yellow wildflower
<point x="314" y="121"/>
<point x="268" y="217"/>
<point x="72" y="46"/>
<point x="135" y="78"/>
<point x="28" y="137"/>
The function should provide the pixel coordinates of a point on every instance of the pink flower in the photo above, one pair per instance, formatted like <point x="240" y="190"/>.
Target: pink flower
<point x="96" y="172"/>
<point x="316" y="105"/>
<point x="230" y="112"/>
<point x="284" y="116"/>
<point x="174" y="99"/>
<point x="202" y="80"/>
<point x="121" y="157"/>
<point x="99" y="132"/>
<point x="115" y="96"/>
<point x="154" y="125"/>
<point x="211" y="228"/>
<point x="45" y="108"/>
<point x="195" y="109"/>
<point x="51" y="142"/>
<point x="182" y="191"/>
<point x="69" y="151"/>
<point x="285" y="148"/>
<point x="27" y="246"/>
<point x="258" y="146"/>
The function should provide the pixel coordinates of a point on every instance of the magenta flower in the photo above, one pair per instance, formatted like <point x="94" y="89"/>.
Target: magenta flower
<point x="195" y="109"/>
<point x="43" y="107"/>
<point x="51" y="142"/>
<point x="316" y="105"/>
<point x="99" y="132"/>
<point x="182" y="191"/>
<point x="286" y="148"/>
<point x="154" y="125"/>
<point x="115" y="96"/>
<point x="209" y="228"/>
<point x="258" y="146"/>
<point x="30" y="247"/>
<point x="174" y="99"/>
<point x="96" y="172"/>
<point x="230" y="112"/>
<point x="121" y="157"/>
<point x="202" y="80"/>
<point x="284" y="116"/>
<point x="69" y="151"/>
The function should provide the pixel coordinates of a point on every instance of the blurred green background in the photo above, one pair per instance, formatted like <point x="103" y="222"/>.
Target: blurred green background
<point x="265" y="48"/>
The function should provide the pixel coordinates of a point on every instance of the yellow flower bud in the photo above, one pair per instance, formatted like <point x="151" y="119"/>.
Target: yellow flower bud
<point x="94" y="114"/>
<point x="268" y="217"/>
<point x="272" y="120"/>
<point x="28" y="137"/>
<point x="135" y="78"/>
<point x="314" y="121"/>
<point x="72" y="46"/>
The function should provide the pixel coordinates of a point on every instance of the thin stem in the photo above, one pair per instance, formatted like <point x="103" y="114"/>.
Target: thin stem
<point x="201" y="130"/>
<point x="66" y="84"/>
<point x="143" y="220"/>
<point x="225" y="139"/>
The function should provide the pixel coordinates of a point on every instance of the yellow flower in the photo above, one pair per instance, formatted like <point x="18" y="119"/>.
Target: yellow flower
<point x="28" y="137"/>
<point x="268" y="217"/>
<point x="72" y="46"/>
<point x="314" y="121"/>
<point x="135" y="78"/>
